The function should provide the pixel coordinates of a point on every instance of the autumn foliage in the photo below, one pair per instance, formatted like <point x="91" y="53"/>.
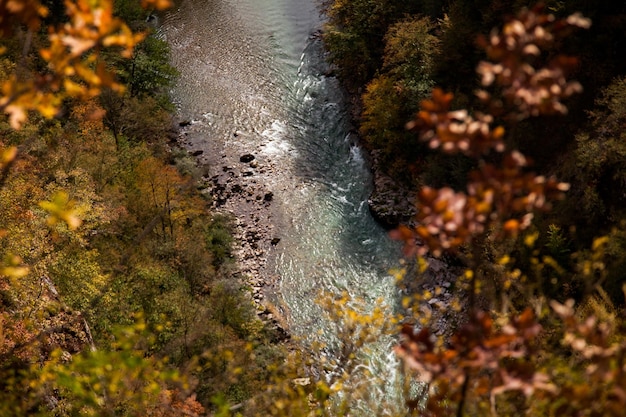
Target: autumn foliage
<point x="513" y="350"/>
<point x="503" y="196"/>
<point x="116" y="294"/>
<point x="74" y="66"/>
<point x="114" y="274"/>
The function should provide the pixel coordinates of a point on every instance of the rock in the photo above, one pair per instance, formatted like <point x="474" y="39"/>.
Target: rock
<point x="66" y="356"/>
<point x="254" y="164"/>
<point x="389" y="203"/>
<point x="252" y="236"/>
<point x="246" y="158"/>
<point x="302" y="381"/>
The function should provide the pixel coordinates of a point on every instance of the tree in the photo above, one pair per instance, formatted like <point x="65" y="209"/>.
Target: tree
<point x="499" y="197"/>
<point x="354" y="35"/>
<point x="49" y="363"/>
<point x="150" y="70"/>
<point x="394" y="95"/>
<point x="73" y="67"/>
<point x="514" y="351"/>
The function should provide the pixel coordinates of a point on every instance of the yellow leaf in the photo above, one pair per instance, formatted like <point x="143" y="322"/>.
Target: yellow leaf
<point x="8" y="155"/>
<point x="73" y="222"/>
<point x="423" y="264"/>
<point x="14" y="272"/>
<point x="72" y="88"/>
<point x="504" y="260"/>
<point x="529" y="240"/>
<point x="598" y="242"/>
<point x="60" y="208"/>
<point x="48" y="106"/>
<point x="12" y="267"/>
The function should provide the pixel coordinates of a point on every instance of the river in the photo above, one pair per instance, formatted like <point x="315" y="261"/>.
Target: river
<point x="253" y="80"/>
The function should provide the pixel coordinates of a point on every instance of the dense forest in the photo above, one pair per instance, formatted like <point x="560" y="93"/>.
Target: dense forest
<point x="119" y="292"/>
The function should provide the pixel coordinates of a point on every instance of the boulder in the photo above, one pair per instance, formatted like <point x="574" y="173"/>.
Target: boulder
<point x="389" y="203"/>
<point x="246" y="158"/>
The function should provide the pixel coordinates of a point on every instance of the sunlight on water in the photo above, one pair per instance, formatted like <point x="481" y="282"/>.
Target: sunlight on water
<point x="252" y="77"/>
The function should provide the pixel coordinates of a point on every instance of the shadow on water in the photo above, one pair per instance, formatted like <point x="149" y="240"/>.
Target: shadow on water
<point x="328" y="156"/>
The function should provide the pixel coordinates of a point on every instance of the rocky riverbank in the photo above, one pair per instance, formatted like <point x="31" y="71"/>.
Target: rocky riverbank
<point x="236" y="181"/>
<point x="243" y="181"/>
<point x="390" y="203"/>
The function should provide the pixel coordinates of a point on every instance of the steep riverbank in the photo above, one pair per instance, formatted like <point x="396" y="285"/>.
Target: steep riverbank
<point x="390" y="202"/>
